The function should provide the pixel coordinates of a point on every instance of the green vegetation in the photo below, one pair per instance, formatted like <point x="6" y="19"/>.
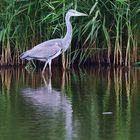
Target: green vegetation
<point x="110" y="34"/>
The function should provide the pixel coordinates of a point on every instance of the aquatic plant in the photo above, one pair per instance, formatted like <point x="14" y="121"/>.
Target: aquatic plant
<point x="109" y="35"/>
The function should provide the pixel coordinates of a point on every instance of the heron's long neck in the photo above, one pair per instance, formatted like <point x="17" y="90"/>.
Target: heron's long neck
<point x="68" y="36"/>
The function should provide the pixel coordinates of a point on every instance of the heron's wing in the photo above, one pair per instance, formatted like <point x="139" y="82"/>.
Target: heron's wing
<point x="44" y="51"/>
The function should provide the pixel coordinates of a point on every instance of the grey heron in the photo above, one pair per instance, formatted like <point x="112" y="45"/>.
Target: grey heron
<point x="48" y="50"/>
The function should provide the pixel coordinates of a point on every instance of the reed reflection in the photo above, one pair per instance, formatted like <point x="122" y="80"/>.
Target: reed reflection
<point x="70" y="104"/>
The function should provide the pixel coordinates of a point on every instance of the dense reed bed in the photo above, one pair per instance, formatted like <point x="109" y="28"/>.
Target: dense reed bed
<point x="109" y="35"/>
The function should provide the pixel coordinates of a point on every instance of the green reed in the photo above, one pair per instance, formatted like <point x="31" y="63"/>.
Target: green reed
<point x="110" y="34"/>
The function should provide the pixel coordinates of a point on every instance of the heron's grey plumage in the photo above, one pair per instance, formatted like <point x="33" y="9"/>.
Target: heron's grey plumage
<point x="43" y="51"/>
<point x="49" y="50"/>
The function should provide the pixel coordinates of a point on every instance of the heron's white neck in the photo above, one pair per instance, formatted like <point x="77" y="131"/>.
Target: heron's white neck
<point x="68" y="36"/>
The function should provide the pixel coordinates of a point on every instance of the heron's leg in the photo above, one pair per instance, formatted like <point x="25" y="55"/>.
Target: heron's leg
<point x="45" y="82"/>
<point x="50" y="71"/>
<point x="49" y="83"/>
<point x="44" y="67"/>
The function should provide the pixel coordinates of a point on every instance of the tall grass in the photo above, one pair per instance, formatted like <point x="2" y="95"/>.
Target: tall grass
<point x="110" y="34"/>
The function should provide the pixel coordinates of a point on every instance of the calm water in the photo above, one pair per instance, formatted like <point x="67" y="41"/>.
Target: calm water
<point x="96" y="104"/>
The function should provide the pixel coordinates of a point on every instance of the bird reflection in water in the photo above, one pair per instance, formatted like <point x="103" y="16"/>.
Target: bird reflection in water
<point x="51" y="102"/>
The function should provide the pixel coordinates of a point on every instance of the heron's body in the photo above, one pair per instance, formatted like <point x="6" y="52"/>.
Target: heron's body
<point x="48" y="50"/>
<point x="44" y="51"/>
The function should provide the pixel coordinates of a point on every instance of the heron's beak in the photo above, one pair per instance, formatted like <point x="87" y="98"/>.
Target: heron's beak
<point x="81" y="14"/>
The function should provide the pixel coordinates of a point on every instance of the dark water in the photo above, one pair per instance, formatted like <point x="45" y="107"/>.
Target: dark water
<point x="96" y="104"/>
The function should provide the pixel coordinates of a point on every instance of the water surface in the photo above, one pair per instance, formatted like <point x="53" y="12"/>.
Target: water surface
<point x="100" y="104"/>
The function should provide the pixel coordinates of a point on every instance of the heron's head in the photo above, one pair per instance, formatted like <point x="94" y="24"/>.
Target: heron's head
<point x="75" y="13"/>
